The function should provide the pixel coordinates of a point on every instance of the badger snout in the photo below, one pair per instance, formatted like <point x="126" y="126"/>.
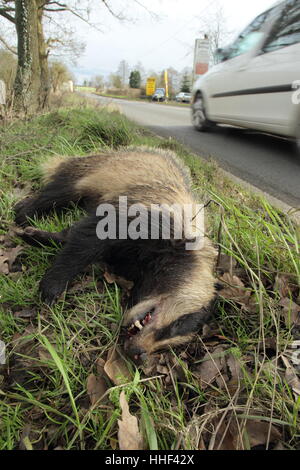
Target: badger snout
<point x="135" y="352"/>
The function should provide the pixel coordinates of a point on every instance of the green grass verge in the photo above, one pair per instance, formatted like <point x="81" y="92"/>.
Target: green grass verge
<point x="43" y="397"/>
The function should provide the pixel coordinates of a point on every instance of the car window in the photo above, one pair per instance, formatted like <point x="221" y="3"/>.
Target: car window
<point x="251" y="36"/>
<point x="286" y="30"/>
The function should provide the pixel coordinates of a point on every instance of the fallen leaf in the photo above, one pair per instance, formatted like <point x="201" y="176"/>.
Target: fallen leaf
<point x="116" y="368"/>
<point x="25" y="313"/>
<point x="211" y="367"/>
<point x="129" y="435"/>
<point x="241" y="436"/>
<point x="226" y="263"/>
<point x="286" y="285"/>
<point x="12" y="254"/>
<point x="257" y="432"/>
<point x="121" y="281"/>
<point x="234" y="367"/>
<point x="8" y="257"/>
<point x="96" y="388"/>
<point x="291" y="377"/>
<point x="291" y="312"/>
<point x="3" y="263"/>
<point x="235" y="290"/>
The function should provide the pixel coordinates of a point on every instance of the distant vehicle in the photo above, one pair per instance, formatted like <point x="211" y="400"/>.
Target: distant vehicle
<point x="184" y="97"/>
<point x="256" y="84"/>
<point x="159" y="95"/>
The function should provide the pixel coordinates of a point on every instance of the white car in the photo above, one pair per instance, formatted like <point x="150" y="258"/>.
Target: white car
<point x="256" y="84"/>
<point x="184" y="97"/>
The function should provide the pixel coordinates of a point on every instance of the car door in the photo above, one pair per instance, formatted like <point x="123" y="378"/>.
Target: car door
<point x="230" y="78"/>
<point x="261" y="89"/>
<point x="275" y="70"/>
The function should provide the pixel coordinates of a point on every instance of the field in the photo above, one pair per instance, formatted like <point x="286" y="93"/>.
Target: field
<point x="66" y="380"/>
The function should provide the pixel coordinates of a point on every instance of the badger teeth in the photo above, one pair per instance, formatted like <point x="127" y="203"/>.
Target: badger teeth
<point x="138" y="325"/>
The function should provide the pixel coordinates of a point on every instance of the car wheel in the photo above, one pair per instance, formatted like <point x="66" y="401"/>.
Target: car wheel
<point x="199" y="119"/>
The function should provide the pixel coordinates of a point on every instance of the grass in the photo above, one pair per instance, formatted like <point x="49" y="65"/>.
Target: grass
<point x="43" y="395"/>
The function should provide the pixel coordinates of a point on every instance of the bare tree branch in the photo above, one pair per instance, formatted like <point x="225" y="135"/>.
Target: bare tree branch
<point x="4" y="12"/>
<point x="8" y="47"/>
<point x="119" y="16"/>
<point x="151" y="13"/>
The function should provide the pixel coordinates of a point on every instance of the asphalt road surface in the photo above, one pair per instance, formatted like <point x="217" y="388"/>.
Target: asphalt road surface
<point x="269" y="163"/>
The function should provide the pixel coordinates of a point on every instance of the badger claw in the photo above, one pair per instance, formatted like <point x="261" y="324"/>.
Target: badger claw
<point x="50" y="291"/>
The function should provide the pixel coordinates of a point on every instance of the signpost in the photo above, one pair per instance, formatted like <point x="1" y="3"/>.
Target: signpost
<point x="166" y="84"/>
<point x="201" y="57"/>
<point x="150" y="86"/>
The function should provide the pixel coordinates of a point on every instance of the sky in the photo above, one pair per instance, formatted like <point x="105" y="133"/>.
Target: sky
<point x="161" y="42"/>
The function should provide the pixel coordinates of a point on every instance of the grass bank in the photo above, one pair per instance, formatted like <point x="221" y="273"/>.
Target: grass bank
<point x="235" y="387"/>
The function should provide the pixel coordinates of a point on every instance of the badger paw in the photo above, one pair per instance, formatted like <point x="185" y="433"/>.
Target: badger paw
<point x="50" y="290"/>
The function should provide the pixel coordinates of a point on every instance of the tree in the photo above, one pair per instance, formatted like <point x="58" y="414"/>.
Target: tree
<point x="115" y="80"/>
<point x="59" y="74"/>
<point x="97" y="82"/>
<point x="32" y="83"/>
<point x="135" y="79"/>
<point x="185" y="84"/>
<point x="123" y="72"/>
<point x="214" y="26"/>
<point x="8" y="67"/>
<point x="139" y="68"/>
<point x="173" y="81"/>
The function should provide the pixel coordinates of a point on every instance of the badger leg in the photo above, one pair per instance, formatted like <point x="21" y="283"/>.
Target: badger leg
<point x="55" y="195"/>
<point x="36" y="237"/>
<point x="81" y="249"/>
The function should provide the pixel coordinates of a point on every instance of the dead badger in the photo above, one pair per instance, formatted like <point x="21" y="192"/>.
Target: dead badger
<point x="174" y="288"/>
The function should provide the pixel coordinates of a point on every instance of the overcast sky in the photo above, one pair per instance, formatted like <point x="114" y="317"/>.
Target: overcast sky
<point x="157" y="43"/>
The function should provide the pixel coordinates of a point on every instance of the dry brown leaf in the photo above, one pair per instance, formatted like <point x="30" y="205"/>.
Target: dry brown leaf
<point x="234" y="367"/>
<point x="25" y="313"/>
<point x="121" y="281"/>
<point x="286" y="285"/>
<point x="96" y="388"/>
<point x="291" y="312"/>
<point x="3" y="263"/>
<point x="235" y="290"/>
<point x="129" y="435"/>
<point x="201" y="444"/>
<point x="211" y="367"/>
<point x="254" y="433"/>
<point x="291" y="377"/>
<point x="12" y="254"/>
<point x="116" y="368"/>
<point x="8" y="257"/>
<point x="226" y="263"/>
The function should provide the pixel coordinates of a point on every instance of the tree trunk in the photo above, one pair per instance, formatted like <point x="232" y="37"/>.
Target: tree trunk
<point x="28" y="79"/>
<point x="43" y="58"/>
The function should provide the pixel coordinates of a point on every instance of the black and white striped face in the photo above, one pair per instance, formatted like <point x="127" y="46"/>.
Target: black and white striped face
<point x="160" y="323"/>
<point x="171" y="302"/>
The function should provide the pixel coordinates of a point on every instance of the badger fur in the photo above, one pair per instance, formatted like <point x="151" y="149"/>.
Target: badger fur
<point x="173" y="288"/>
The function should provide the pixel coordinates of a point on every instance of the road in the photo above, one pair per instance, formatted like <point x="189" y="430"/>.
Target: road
<point x="269" y="163"/>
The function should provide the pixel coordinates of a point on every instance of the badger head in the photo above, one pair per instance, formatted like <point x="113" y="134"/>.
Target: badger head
<point x="172" y="301"/>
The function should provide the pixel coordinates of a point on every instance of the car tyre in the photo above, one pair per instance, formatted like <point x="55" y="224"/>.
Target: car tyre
<point x="199" y="118"/>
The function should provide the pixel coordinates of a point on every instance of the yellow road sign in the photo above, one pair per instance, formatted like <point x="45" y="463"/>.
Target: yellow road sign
<point x="150" y="87"/>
